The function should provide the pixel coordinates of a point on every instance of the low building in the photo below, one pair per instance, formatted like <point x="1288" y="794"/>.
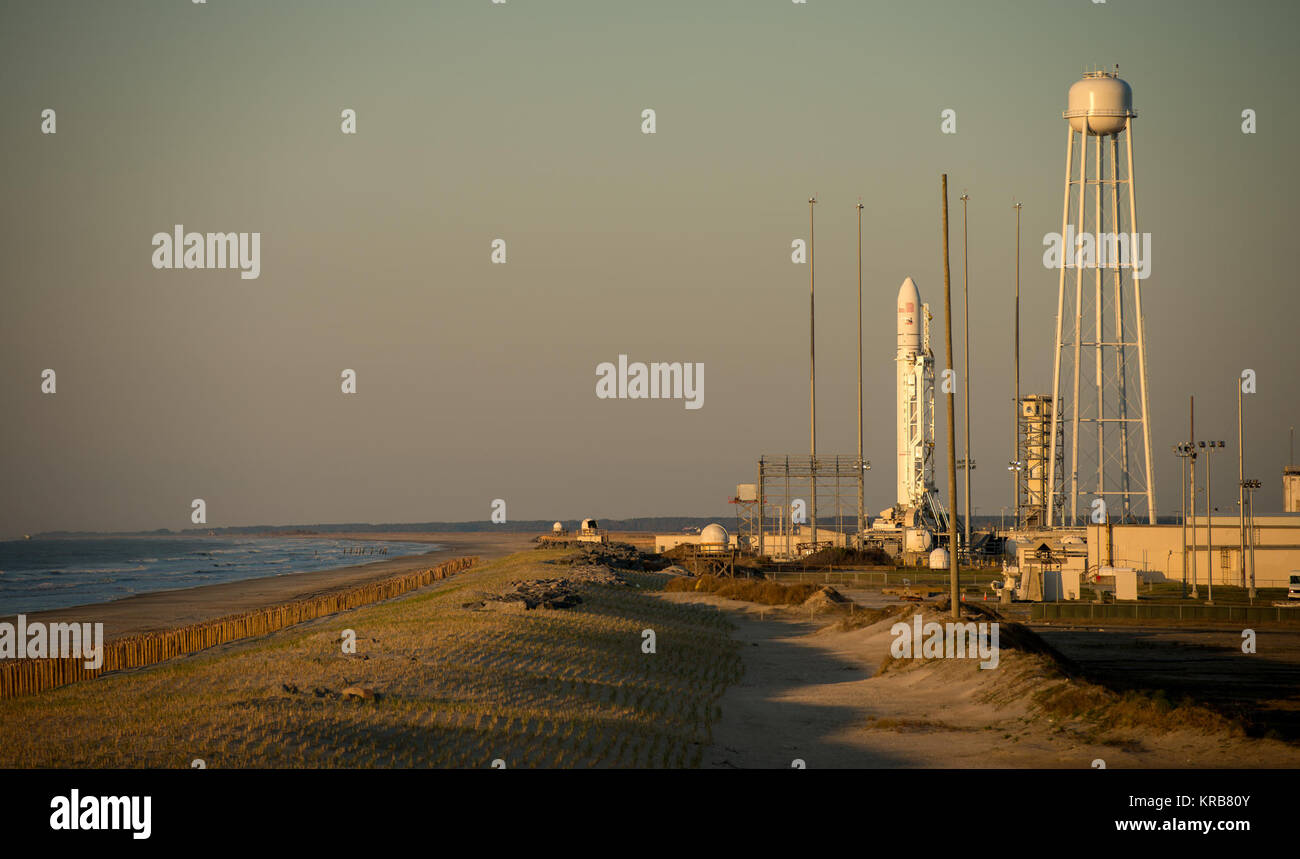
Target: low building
<point x="1291" y="489"/>
<point x="1157" y="551"/>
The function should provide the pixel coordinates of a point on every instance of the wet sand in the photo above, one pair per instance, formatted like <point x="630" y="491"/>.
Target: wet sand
<point x="165" y="609"/>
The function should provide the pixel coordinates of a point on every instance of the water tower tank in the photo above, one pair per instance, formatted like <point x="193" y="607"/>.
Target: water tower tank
<point x="713" y="537"/>
<point x="939" y="559"/>
<point x="1100" y="104"/>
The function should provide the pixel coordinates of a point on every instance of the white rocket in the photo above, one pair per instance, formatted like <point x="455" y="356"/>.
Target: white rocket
<point x="915" y="400"/>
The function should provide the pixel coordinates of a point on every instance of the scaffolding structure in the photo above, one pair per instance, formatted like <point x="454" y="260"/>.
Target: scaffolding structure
<point x="748" y="520"/>
<point x="1033" y="435"/>
<point x="784" y="525"/>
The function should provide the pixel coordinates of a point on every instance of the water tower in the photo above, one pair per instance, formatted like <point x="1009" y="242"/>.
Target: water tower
<point x="1099" y="376"/>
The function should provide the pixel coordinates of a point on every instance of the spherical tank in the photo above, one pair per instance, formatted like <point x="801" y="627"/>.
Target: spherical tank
<point x="714" y="536"/>
<point x="1100" y="104"/>
<point x="917" y="539"/>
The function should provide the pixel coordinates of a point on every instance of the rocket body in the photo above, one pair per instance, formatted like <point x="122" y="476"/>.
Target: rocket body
<point x="915" y="399"/>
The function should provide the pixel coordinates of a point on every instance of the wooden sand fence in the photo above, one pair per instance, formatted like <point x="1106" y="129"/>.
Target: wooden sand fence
<point x="27" y="676"/>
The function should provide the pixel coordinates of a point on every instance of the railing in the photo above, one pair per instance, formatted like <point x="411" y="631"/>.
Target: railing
<point x="1163" y="611"/>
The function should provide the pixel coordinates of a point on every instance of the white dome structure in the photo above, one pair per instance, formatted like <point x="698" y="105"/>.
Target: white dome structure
<point x="917" y="539"/>
<point x="557" y="528"/>
<point x="939" y="559"/>
<point x="1100" y="104"/>
<point x="590" y="525"/>
<point x="713" y="537"/>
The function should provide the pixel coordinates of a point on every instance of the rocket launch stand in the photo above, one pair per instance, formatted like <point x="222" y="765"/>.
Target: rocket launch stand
<point x="1109" y="435"/>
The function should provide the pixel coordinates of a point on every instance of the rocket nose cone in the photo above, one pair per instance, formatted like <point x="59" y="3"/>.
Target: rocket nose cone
<point x="908" y="292"/>
<point x="909" y="316"/>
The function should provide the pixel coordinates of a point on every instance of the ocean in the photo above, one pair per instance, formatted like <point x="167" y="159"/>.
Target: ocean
<point x="39" y="574"/>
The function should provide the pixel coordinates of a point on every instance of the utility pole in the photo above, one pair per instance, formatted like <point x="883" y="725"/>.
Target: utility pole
<point x="965" y="385"/>
<point x="1191" y="429"/>
<point x="812" y="364"/>
<point x="1015" y="406"/>
<point x="952" y="429"/>
<point x="861" y="465"/>
<point x="1241" y="490"/>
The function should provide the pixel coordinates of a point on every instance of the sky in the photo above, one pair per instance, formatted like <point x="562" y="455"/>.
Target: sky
<point x="523" y="121"/>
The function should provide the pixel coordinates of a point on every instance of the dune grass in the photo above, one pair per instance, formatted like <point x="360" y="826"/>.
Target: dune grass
<point x="457" y="688"/>
<point x="745" y="589"/>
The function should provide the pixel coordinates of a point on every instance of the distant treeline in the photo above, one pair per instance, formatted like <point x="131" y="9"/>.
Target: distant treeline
<point x="661" y="524"/>
<point x="657" y="524"/>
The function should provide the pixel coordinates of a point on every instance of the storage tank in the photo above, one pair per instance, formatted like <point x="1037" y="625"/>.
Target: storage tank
<point x="939" y="559"/>
<point x="1100" y="104"/>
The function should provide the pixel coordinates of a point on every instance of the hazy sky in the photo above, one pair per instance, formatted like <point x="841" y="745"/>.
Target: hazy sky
<point x="523" y="121"/>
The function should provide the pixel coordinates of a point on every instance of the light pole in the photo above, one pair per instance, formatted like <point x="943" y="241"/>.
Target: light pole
<point x="1250" y="486"/>
<point x="1209" y="447"/>
<point x="1184" y="452"/>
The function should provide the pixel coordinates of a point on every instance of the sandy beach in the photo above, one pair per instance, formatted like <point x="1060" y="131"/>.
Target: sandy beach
<point x="163" y="609"/>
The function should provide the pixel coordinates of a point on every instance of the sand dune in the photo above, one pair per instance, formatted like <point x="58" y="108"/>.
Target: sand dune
<point x="816" y="694"/>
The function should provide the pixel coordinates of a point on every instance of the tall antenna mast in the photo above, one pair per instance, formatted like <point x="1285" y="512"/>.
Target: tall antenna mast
<point x="954" y="597"/>
<point x="861" y="464"/>
<point x="812" y="364"/>
<point x="1017" y="459"/>
<point x="968" y="463"/>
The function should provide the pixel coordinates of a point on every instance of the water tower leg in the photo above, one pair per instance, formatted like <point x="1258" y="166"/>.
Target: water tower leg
<point x="1060" y="309"/>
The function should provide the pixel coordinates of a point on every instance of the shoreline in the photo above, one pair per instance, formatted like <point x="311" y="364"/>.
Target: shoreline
<point x="159" y="610"/>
